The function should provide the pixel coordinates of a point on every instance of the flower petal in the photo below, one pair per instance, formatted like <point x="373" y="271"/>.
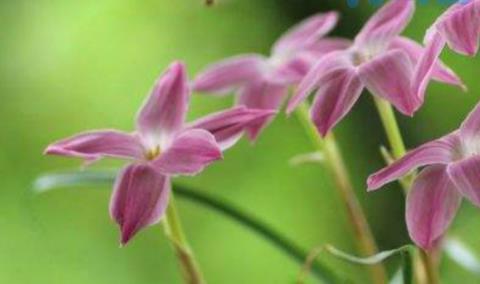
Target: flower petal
<point x="389" y="76"/>
<point x="228" y="74"/>
<point x="306" y="32"/>
<point x="303" y="60"/>
<point x="190" y="152"/>
<point x="432" y="203"/>
<point x="385" y="24"/>
<point x="440" y="151"/>
<point x="337" y="60"/>
<point x="337" y="93"/>
<point x="163" y="113"/>
<point x="426" y="65"/>
<point x="460" y="26"/>
<point x="327" y="45"/>
<point x="470" y="128"/>
<point x="261" y="95"/>
<point x="94" y="145"/>
<point x="139" y="199"/>
<point x="415" y="51"/>
<point x="228" y="126"/>
<point x="465" y="174"/>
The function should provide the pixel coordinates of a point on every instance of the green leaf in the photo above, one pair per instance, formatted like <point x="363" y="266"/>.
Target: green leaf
<point x="371" y="260"/>
<point x="405" y="252"/>
<point x="56" y="180"/>
<point x="51" y="181"/>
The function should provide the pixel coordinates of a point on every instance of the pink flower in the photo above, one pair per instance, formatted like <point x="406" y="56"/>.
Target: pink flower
<point x="459" y="27"/>
<point x="163" y="146"/>
<point x="263" y="82"/>
<point x="379" y="60"/>
<point x="452" y="171"/>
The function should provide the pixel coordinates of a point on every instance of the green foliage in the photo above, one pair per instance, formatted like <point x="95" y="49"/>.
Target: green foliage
<point x="68" y="66"/>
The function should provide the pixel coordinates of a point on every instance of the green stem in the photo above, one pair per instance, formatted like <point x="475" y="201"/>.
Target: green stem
<point x="423" y="260"/>
<point x="81" y="178"/>
<point x="334" y="160"/>
<point x="394" y="136"/>
<point x="390" y="124"/>
<point x="431" y="271"/>
<point x="173" y="229"/>
<point x="322" y="272"/>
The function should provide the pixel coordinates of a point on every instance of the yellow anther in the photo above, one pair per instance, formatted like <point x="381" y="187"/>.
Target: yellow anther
<point x="152" y="153"/>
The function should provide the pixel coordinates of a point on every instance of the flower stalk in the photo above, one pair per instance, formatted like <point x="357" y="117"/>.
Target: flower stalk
<point x="394" y="136"/>
<point x="391" y="127"/>
<point x="173" y="229"/>
<point x="430" y="266"/>
<point x="426" y="270"/>
<point x="334" y="160"/>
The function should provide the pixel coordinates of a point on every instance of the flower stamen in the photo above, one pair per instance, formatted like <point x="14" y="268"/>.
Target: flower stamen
<point x="153" y="153"/>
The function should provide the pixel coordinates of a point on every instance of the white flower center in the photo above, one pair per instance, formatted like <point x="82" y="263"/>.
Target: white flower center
<point x="471" y="146"/>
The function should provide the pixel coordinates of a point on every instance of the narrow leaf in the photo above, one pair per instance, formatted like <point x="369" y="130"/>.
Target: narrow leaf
<point x="371" y="260"/>
<point x="51" y="181"/>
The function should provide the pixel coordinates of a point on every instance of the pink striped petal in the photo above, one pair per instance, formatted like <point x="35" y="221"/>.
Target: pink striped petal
<point x="163" y="113"/>
<point x="190" y="152"/>
<point x="337" y="93"/>
<point x="426" y="65"/>
<point x="94" y="145"/>
<point x="338" y="60"/>
<point x="465" y="174"/>
<point x="470" y="128"/>
<point x="460" y="26"/>
<point x="389" y="76"/>
<point x="306" y="32"/>
<point x="139" y="199"/>
<point x="229" y="74"/>
<point x="229" y="125"/>
<point x="385" y="25"/>
<point x="432" y="203"/>
<point x="440" y="151"/>
<point x="303" y="60"/>
<point x="261" y="95"/>
<point x="327" y="45"/>
<point x="415" y="51"/>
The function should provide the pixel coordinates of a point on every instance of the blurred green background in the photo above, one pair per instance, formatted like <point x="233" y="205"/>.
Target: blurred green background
<point x="68" y="66"/>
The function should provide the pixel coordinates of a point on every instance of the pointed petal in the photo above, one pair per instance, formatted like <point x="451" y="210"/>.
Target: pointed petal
<point x="432" y="203"/>
<point x="337" y="93"/>
<point x="389" y="77"/>
<point x="460" y="26"/>
<point x="465" y="174"/>
<point x="190" y="152"/>
<point x="306" y="32"/>
<point x="228" y="126"/>
<point x="426" y="65"/>
<point x="440" y="151"/>
<point x="94" y="145"/>
<point x="385" y="24"/>
<point x="330" y="63"/>
<point x="163" y="113"/>
<point x="261" y="95"/>
<point x="303" y="60"/>
<point x="470" y="128"/>
<point x="415" y="51"/>
<point x="230" y="73"/>
<point x="139" y="199"/>
<point x="327" y="45"/>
